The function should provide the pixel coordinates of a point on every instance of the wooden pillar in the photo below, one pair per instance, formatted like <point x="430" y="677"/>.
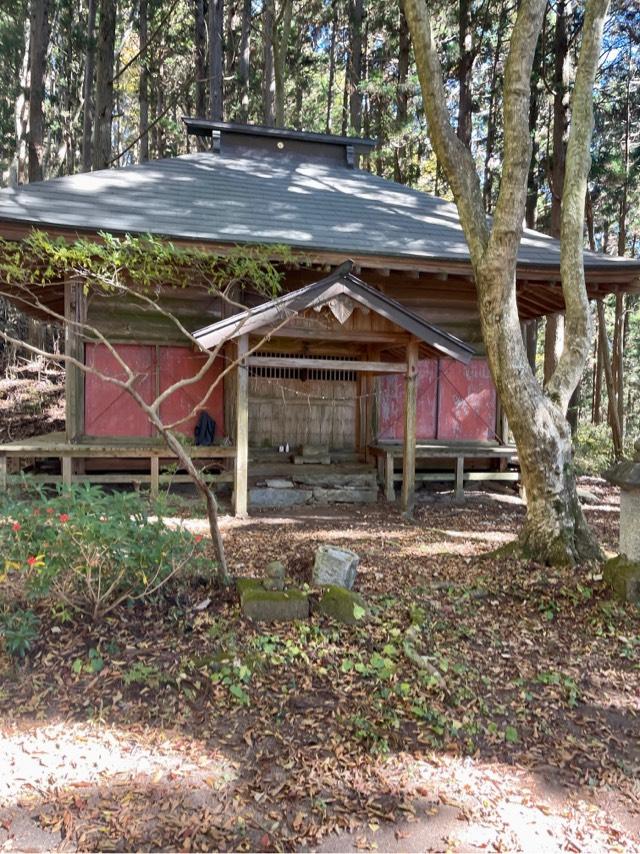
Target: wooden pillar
<point x="459" y="488"/>
<point x="389" y="487"/>
<point x="410" y="409"/>
<point x="67" y="470"/>
<point x="3" y="473"/>
<point x="242" y="430"/>
<point x="74" y="312"/>
<point x="155" y="476"/>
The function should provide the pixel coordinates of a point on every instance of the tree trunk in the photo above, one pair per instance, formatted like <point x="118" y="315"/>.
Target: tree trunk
<point x="104" y="85"/>
<point x="533" y="179"/>
<point x="39" y="44"/>
<point x="332" y="65"/>
<point x="87" y="86"/>
<point x="555" y="530"/>
<point x="268" y="84"/>
<point x="553" y="344"/>
<point x="244" y="63"/>
<point x="616" y="432"/>
<point x="144" y="80"/>
<point x="354" y="65"/>
<point x="281" y="33"/>
<point x="200" y="43"/>
<point x="402" y="98"/>
<point x="560" y="116"/>
<point x="596" y="407"/>
<point x="617" y="361"/>
<point x="465" y="66"/>
<point x="216" y="57"/>
<point x="18" y="171"/>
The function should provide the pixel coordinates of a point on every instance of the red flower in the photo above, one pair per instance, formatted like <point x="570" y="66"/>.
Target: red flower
<point x="50" y="511"/>
<point x="32" y="560"/>
<point x="64" y="517"/>
<point x="16" y="526"/>
<point x="198" y="538"/>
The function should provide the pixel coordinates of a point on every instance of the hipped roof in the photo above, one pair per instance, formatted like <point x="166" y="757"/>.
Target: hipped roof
<point x="341" y="282"/>
<point x="259" y="198"/>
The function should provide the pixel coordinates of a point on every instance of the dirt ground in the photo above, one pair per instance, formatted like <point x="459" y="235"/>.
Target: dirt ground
<point x="203" y="731"/>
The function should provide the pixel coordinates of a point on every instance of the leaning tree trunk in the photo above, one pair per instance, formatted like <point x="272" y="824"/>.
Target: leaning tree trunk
<point x="87" y="87"/>
<point x="216" y="57"/>
<point x="555" y="530"/>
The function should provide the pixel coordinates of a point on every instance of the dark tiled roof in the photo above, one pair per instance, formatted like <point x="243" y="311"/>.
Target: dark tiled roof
<point x="265" y="199"/>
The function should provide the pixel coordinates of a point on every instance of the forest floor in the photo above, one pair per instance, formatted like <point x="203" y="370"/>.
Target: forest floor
<point x="198" y="730"/>
<point x="31" y="400"/>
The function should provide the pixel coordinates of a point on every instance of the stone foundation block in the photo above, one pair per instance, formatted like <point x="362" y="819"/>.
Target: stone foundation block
<point x="343" y="605"/>
<point x="270" y="606"/>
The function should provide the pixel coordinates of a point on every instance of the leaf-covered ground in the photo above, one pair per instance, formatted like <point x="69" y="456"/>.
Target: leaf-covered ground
<point x="181" y="725"/>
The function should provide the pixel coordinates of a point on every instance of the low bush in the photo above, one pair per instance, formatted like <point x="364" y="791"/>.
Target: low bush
<point x="90" y="551"/>
<point x="593" y="449"/>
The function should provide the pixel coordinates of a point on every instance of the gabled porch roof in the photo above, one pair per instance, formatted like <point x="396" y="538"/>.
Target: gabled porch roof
<point x="434" y="342"/>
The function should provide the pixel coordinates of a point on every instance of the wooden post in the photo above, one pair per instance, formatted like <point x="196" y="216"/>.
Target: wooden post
<point x="3" y="473"/>
<point x="74" y="311"/>
<point x="459" y="493"/>
<point x="67" y="468"/>
<point x="242" y="430"/>
<point x="389" y="488"/>
<point x="155" y="476"/>
<point x="410" y="410"/>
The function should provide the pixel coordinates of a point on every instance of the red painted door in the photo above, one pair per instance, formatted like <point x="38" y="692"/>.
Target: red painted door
<point x="110" y="410"/>
<point x="466" y="401"/>
<point x="178" y="363"/>
<point x="391" y="403"/>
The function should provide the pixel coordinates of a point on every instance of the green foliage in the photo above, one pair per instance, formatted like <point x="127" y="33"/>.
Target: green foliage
<point x="136" y="264"/>
<point x="19" y="628"/>
<point x="593" y="449"/>
<point x="91" y="551"/>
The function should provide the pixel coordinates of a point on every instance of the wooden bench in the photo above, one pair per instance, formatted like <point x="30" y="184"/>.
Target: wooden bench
<point x="55" y="445"/>
<point x="386" y="454"/>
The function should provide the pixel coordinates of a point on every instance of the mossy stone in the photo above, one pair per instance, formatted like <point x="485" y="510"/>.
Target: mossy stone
<point x="623" y="577"/>
<point x="274" y="605"/>
<point x="343" y="605"/>
<point x="245" y="584"/>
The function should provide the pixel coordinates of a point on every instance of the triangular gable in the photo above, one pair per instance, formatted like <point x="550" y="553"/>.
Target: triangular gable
<point x="341" y="282"/>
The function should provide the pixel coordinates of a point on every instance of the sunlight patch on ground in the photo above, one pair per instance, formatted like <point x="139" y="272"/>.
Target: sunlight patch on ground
<point x="78" y="754"/>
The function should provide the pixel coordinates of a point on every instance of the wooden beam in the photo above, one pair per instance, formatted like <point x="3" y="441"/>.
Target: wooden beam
<point x="242" y="430"/>
<point x="3" y="473"/>
<point x="155" y="476"/>
<point x="326" y="364"/>
<point x="410" y="410"/>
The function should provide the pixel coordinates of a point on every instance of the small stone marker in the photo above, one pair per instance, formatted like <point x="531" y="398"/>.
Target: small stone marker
<point x="274" y="576"/>
<point x="335" y="567"/>
<point x="623" y="573"/>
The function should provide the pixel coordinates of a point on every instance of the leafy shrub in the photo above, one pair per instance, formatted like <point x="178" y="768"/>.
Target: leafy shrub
<point x="19" y="629"/>
<point x="91" y="551"/>
<point x="593" y="449"/>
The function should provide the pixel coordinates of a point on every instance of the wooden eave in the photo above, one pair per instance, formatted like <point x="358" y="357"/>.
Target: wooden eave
<point x="341" y="283"/>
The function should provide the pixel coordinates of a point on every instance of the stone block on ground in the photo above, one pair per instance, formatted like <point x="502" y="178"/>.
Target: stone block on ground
<point x="270" y="606"/>
<point x="623" y="577"/>
<point x="315" y="450"/>
<point x="343" y="605"/>
<point x="344" y="495"/>
<point x="301" y="460"/>
<point x="335" y="566"/>
<point x="280" y="497"/>
<point x="279" y="483"/>
<point x="274" y="574"/>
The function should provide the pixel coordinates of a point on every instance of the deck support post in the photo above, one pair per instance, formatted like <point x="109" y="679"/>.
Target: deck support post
<point x="3" y="473"/>
<point x="155" y="476"/>
<point x="459" y="491"/>
<point x="242" y="430"/>
<point x="410" y="410"/>
<point x="67" y="470"/>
